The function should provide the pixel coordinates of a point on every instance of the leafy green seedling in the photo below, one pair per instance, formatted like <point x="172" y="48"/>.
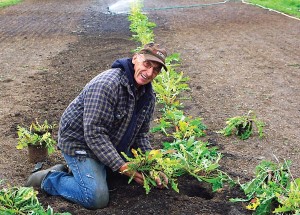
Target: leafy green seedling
<point x="36" y="134"/>
<point x="169" y="84"/>
<point x="22" y="200"/>
<point x="150" y="164"/>
<point x="182" y="127"/>
<point x="199" y="161"/>
<point x="290" y="201"/>
<point x="140" y="25"/>
<point x="243" y="126"/>
<point x="271" y="182"/>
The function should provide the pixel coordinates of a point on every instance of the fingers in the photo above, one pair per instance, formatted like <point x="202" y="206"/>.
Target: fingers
<point x="123" y="169"/>
<point x="139" y="181"/>
<point x="137" y="177"/>
<point x="158" y="183"/>
<point x="162" y="180"/>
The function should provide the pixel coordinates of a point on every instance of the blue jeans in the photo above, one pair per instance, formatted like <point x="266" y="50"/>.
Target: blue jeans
<point x="86" y="185"/>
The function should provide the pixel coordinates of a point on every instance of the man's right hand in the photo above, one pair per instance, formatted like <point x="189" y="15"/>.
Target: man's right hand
<point x="138" y="177"/>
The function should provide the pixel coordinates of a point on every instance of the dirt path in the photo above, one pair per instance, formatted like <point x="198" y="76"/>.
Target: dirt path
<point x="31" y="34"/>
<point x="238" y="57"/>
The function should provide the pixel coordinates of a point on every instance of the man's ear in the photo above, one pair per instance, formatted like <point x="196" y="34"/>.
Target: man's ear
<point x="134" y="59"/>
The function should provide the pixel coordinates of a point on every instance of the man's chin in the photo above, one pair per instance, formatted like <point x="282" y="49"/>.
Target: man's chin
<point x="142" y="82"/>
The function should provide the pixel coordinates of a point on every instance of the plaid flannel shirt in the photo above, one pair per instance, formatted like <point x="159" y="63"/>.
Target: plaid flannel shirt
<point x="98" y="117"/>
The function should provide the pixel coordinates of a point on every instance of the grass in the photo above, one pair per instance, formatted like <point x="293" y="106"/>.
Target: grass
<point x="6" y="3"/>
<point x="290" y="7"/>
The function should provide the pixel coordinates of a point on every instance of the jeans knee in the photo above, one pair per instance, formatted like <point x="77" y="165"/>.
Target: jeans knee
<point x="99" y="198"/>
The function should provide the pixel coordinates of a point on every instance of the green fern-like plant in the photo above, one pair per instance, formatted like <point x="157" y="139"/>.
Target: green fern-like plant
<point x="150" y="164"/>
<point x="140" y="25"/>
<point x="36" y="134"/>
<point x="23" y="200"/>
<point x="243" y="126"/>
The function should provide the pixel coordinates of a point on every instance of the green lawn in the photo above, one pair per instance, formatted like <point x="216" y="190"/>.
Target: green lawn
<point x="291" y="7"/>
<point x="5" y="3"/>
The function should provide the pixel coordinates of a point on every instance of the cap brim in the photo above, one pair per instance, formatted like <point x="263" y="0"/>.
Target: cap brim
<point x="153" y="58"/>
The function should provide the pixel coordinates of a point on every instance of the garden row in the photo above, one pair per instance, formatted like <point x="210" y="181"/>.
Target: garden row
<point x="273" y="190"/>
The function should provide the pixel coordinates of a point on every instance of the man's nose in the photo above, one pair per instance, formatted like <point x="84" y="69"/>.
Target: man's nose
<point x="150" y="71"/>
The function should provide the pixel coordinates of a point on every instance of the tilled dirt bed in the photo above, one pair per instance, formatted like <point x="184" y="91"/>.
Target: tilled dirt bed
<point x="239" y="58"/>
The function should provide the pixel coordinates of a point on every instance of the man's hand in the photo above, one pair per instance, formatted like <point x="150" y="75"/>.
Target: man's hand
<point x="138" y="177"/>
<point x="162" y="180"/>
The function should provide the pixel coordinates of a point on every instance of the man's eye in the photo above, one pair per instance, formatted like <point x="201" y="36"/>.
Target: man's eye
<point x="157" y="69"/>
<point x="147" y="64"/>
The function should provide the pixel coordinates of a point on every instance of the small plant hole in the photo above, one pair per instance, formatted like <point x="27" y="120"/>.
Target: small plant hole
<point x="196" y="191"/>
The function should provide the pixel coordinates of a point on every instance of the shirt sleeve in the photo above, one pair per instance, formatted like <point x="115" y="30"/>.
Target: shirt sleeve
<point x="99" y="102"/>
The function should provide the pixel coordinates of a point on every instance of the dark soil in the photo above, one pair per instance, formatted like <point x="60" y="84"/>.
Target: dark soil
<point x="238" y="57"/>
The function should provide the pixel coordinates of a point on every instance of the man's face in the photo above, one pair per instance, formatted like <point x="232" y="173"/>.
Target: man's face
<point x="144" y="71"/>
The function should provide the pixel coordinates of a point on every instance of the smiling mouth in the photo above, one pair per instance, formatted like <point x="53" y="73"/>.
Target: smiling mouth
<point x="144" y="77"/>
